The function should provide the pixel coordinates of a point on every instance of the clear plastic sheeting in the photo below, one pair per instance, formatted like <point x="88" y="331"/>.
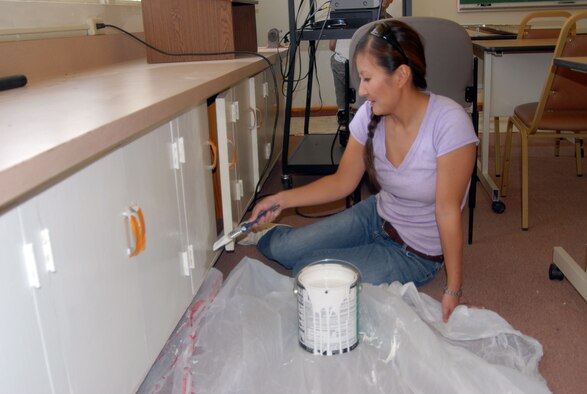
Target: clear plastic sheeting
<point x="247" y="342"/>
<point x="172" y="371"/>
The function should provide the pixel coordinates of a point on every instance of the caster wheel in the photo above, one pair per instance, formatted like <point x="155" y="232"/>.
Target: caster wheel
<point x="286" y="182"/>
<point x="498" y="207"/>
<point x="554" y="273"/>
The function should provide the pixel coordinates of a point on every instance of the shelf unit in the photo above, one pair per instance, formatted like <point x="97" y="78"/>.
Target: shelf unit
<point x="317" y="154"/>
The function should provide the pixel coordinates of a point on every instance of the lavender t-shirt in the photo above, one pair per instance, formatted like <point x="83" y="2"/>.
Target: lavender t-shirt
<point x="408" y="193"/>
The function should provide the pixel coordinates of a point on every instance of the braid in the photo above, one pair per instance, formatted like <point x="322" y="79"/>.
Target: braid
<point x="369" y="159"/>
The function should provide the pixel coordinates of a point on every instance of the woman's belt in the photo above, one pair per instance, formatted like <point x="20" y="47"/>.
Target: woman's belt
<point x="394" y="235"/>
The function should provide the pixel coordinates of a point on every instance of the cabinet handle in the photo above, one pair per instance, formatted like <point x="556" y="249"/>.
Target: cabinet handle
<point x="253" y="112"/>
<point x="138" y="234"/>
<point x="233" y="157"/>
<point x="259" y="118"/>
<point x="143" y="228"/>
<point x="214" y="155"/>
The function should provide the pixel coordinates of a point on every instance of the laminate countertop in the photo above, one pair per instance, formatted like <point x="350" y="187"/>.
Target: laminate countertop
<point x="51" y="129"/>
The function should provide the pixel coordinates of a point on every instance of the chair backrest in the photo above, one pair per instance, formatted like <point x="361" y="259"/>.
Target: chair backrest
<point x="554" y="17"/>
<point x="449" y="56"/>
<point x="565" y="89"/>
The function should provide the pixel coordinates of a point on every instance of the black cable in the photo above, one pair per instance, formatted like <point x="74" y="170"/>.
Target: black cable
<point x="265" y="169"/>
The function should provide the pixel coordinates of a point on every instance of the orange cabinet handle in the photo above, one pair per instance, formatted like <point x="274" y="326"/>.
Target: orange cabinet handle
<point x="143" y="230"/>
<point x="214" y="155"/>
<point x="138" y="231"/>
<point x="233" y="157"/>
<point x="134" y="225"/>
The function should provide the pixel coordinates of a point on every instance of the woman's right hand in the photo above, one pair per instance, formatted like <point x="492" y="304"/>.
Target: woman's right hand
<point x="265" y="205"/>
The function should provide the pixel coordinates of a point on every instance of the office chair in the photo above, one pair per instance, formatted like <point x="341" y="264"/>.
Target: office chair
<point x="562" y="107"/>
<point x="449" y="58"/>
<point x="528" y="31"/>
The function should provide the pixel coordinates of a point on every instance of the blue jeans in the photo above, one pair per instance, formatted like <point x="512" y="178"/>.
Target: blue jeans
<point x="355" y="235"/>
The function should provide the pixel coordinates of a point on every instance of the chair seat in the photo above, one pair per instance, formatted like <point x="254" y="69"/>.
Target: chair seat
<point x="568" y="120"/>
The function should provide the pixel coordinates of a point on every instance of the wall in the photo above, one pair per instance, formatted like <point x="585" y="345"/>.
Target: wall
<point x="270" y="13"/>
<point x="42" y="14"/>
<point x="448" y="9"/>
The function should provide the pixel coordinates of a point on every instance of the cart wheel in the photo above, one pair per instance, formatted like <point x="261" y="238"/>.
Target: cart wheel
<point x="554" y="273"/>
<point x="286" y="182"/>
<point x="498" y="206"/>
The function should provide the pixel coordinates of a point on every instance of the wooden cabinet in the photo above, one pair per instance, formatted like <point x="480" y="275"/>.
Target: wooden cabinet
<point x="202" y="26"/>
<point x="97" y="318"/>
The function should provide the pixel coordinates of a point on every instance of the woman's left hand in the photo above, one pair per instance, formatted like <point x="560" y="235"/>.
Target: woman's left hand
<point x="449" y="303"/>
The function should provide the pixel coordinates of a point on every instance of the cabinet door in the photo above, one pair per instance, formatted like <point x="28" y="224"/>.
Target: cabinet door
<point x="265" y="118"/>
<point x="257" y="91"/>
<point x="275" y="108"/>
<point x="231" y="188"/>
<point x="90" y="304"/>
<point x="23" y="362"/>
<point x="267" y="105"/>
<point x="246" y="144"/>
<point x="197" y="197"/>
<point x="163" y="275"/>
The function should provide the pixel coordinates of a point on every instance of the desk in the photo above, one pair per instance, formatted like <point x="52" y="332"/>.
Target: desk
<point x="492" y="32"/>
<point x="574" y="63"/>
<point x="513" y="74"/>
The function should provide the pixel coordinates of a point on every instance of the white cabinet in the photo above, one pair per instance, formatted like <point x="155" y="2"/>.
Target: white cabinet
<point x="197" y="197"/>
<point x="247" y="138"/>
<point x="90" y="304"/>
<point x="23" y="360"/>
<point x="97" y="318"/>
<point x="267" y="103"/>
<point x="163" y="276"/>
<point x="236" y="157"/>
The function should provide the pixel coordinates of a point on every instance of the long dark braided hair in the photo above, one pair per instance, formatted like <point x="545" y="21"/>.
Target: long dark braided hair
<point x="390" y="44"/>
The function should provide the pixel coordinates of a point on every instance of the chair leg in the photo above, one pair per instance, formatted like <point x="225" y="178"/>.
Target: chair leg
<point x="524" y="175"/>
<point x="557" y="145"/>
<point x="496" y="145"/>
<point x="578" y="157"/>
<point x="506" y="160"/>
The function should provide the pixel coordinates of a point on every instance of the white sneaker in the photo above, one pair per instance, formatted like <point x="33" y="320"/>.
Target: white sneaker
<point x="253" y="237"/>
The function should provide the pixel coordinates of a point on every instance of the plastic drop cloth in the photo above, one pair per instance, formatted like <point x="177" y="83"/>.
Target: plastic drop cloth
<point x="247" y="342"/>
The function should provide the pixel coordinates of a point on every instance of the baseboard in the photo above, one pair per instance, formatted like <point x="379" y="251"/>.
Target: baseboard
<point x="315" y="111"/>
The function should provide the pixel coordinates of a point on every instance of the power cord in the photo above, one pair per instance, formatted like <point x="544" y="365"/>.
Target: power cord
<point x="269" y="160"/>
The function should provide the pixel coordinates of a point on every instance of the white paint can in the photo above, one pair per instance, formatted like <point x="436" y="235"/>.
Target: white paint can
<point x="328" y="307"/>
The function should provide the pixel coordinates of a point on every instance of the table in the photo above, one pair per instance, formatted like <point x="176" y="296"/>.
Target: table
<point x="513" y="73"/>
<point x="578" y="63"/>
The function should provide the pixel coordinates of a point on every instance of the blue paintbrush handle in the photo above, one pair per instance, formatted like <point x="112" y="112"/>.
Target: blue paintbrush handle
<point x="246" y="226"/>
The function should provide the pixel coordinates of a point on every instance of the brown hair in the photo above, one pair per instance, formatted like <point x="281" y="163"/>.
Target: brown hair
<point x="391" y="44"/>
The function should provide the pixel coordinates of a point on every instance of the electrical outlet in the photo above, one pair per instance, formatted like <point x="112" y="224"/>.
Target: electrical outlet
<point x="91" y="22"/>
